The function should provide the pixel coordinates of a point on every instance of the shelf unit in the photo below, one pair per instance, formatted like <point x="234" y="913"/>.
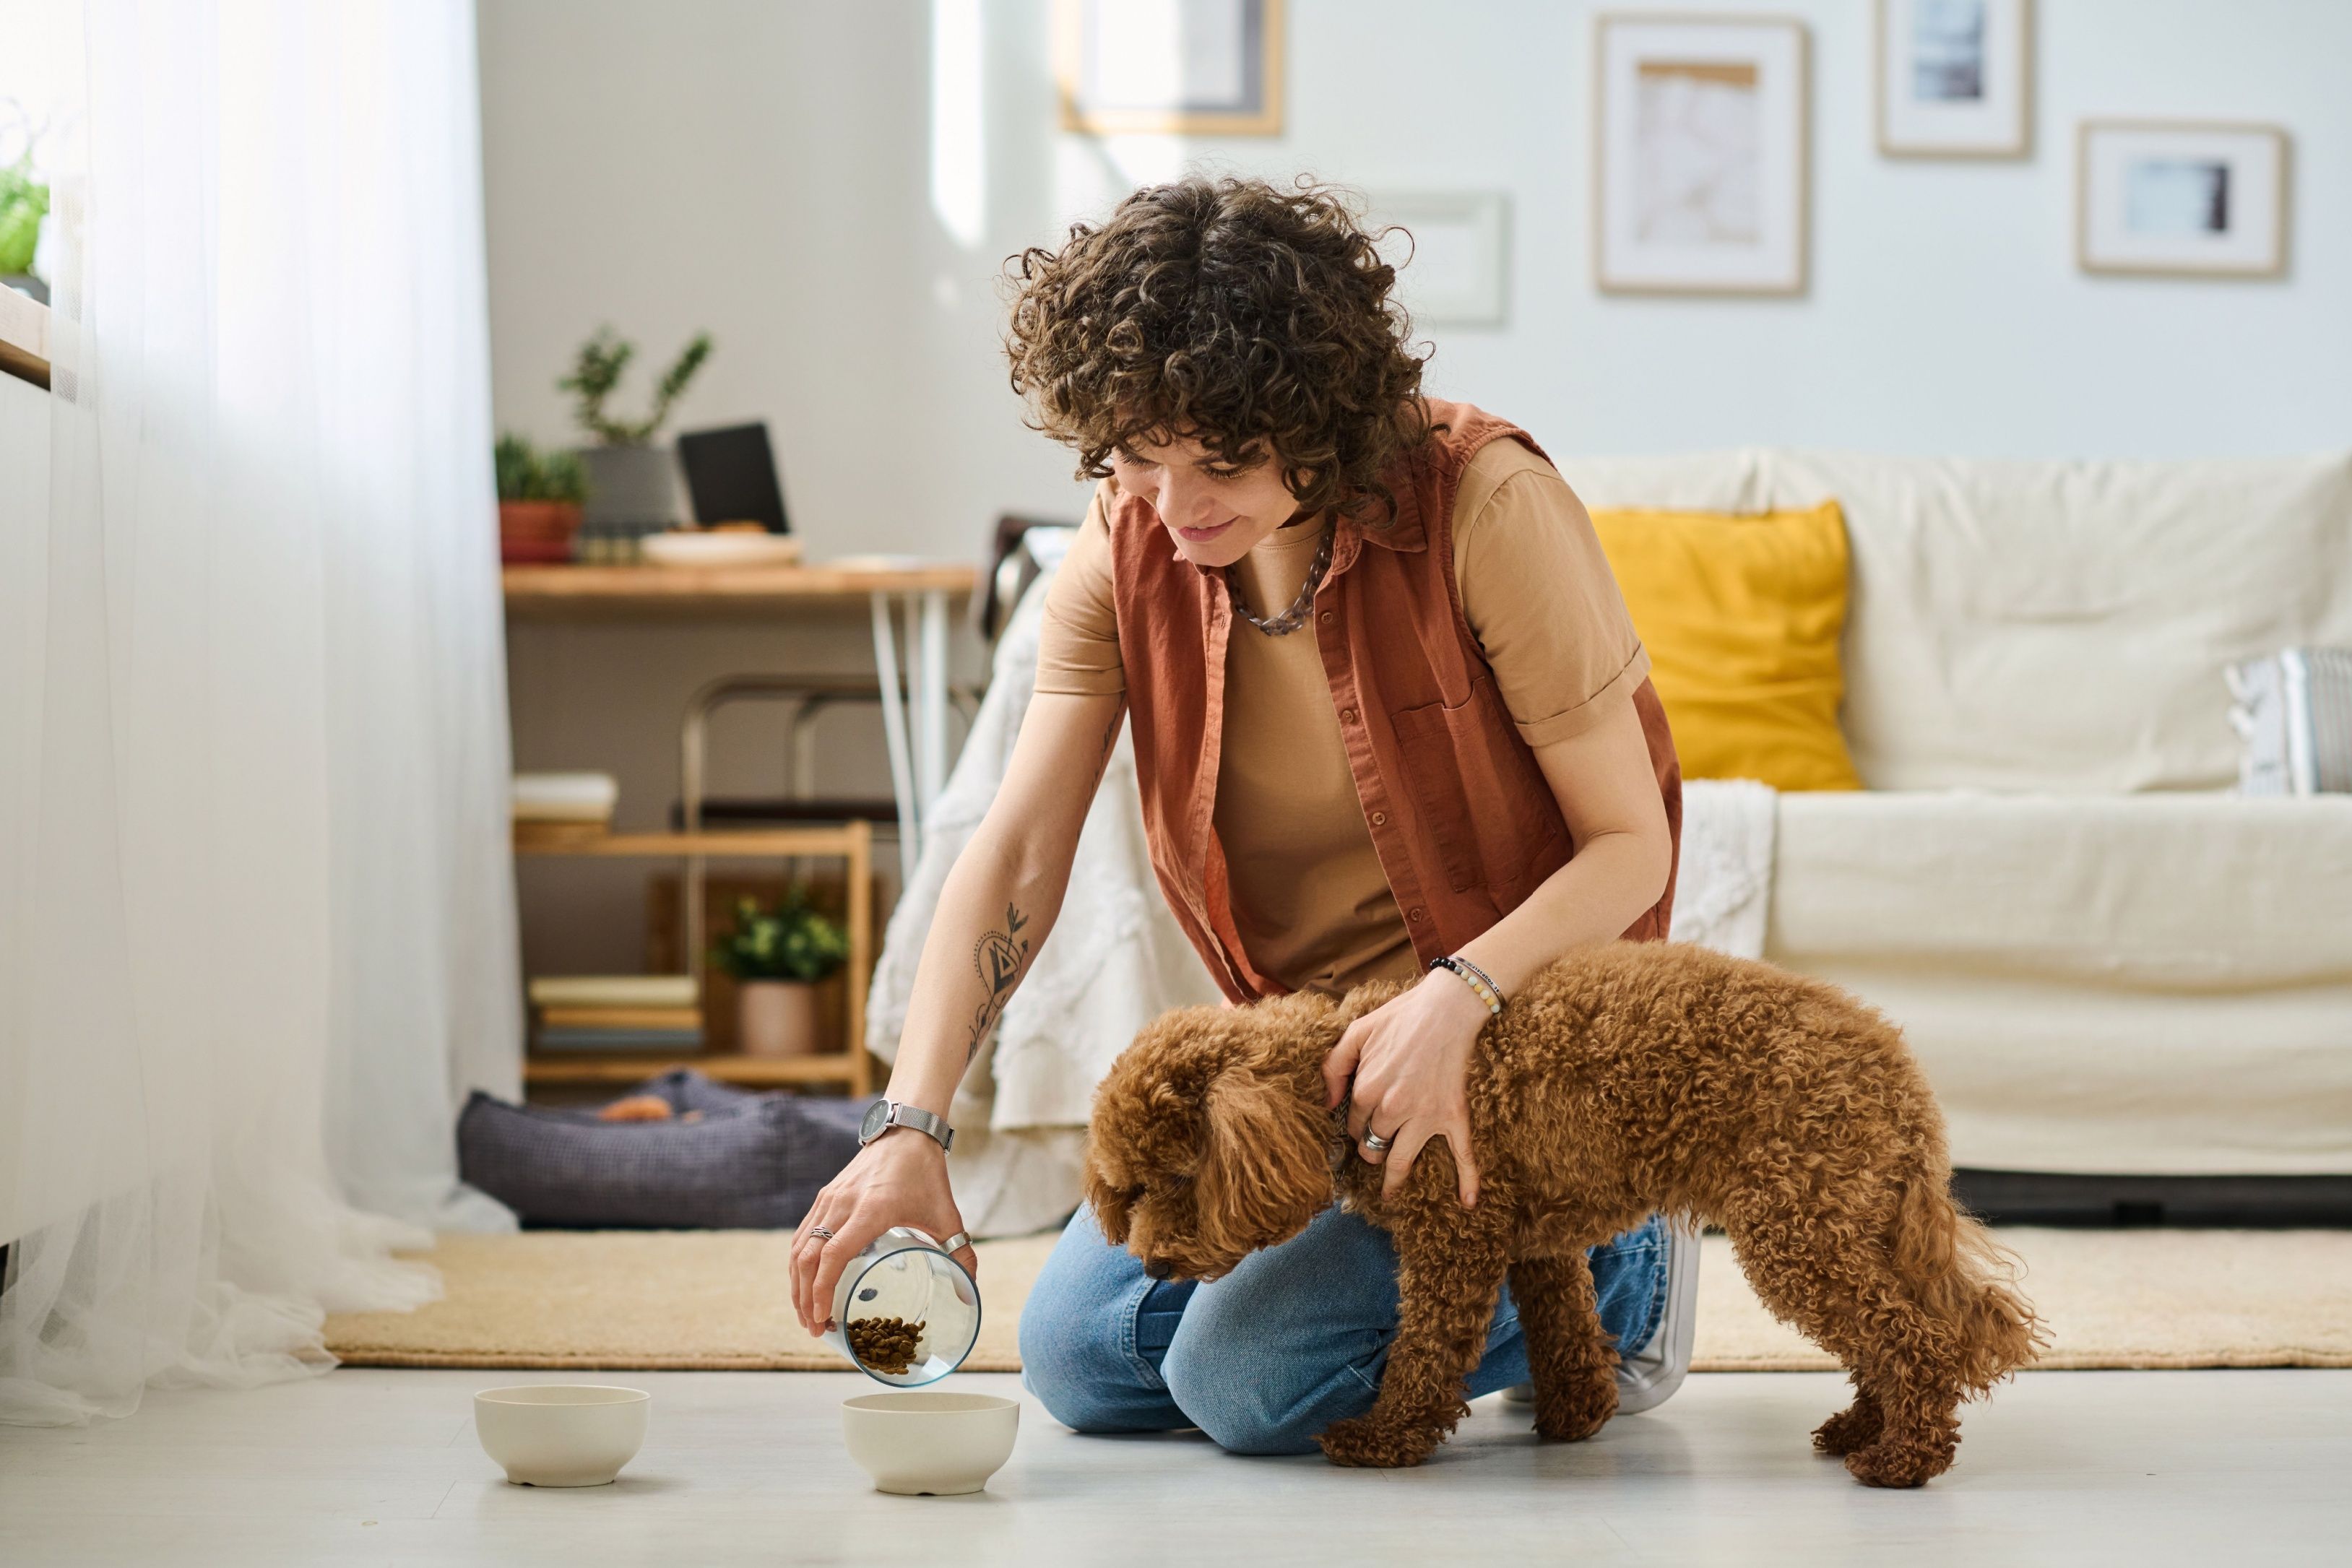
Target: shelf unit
<point x="852" y="1066"/>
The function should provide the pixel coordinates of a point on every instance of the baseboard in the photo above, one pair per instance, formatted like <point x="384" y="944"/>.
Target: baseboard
<point x="2041" y="1197"/>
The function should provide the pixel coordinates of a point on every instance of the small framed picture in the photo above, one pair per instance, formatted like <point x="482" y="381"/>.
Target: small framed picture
<point x="1699" y="154"/>
<point x="1954" y="78"/>
<point x="2180" y="198"/>
<point x="1180" y="67"/>
<point x="1456" y="267"/>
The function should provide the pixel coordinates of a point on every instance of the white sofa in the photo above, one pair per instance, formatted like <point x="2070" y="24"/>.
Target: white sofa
<point x="2108" y="963"/>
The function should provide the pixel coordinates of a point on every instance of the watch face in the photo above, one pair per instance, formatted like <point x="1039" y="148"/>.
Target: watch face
<point x="878" y="1116"/>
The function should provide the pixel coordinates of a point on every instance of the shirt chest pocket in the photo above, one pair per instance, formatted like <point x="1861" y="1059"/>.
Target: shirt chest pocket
<point x="1482" y="800"/>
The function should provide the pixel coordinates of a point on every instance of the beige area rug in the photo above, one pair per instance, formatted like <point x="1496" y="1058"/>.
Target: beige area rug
<point x="717" y="1301"/>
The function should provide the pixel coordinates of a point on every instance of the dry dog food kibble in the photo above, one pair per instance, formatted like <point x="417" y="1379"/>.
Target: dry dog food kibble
<point x="886" y="1345"/>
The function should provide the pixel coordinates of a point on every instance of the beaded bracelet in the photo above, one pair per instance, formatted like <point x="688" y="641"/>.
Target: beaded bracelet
<point x="1472" y="975"/>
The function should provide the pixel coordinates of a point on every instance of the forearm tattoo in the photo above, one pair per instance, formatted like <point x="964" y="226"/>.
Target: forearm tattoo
<point x="1110" y="739"/>
<point x="998" y="958"/>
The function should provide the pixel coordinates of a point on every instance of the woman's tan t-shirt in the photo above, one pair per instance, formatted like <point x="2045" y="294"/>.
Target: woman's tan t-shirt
<point x="1308" y="895"/>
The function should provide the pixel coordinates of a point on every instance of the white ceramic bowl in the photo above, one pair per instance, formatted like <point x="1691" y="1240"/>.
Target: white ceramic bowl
<point x="562" y="1433"/>
<point x="930" y="1444"/>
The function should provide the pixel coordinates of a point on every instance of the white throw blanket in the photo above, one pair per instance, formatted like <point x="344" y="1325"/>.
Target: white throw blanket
<point x="1117" y="958"/>
<point x="1723" y="888"/>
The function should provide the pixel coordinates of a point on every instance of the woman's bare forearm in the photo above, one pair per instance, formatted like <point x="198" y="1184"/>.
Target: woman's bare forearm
<point x="1589" y="901"/>
<point x="1001" y="900"/>
<point x="1608" y="791"/>
<point x="999" y="904"/>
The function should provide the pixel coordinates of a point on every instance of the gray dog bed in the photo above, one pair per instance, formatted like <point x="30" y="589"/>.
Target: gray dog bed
<point x="748" y="1161"/>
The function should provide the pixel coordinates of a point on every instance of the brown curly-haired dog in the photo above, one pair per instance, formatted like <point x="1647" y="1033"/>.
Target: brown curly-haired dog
<point x="1624" y="1078"/>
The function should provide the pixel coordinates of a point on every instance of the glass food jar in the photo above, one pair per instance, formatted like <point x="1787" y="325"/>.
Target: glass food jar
<point x="904" y="1312"/>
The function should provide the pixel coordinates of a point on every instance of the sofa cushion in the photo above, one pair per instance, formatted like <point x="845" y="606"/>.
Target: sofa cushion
<point x="1732" y="480"/>
<point x="2153" y="984"/>
<point x="1741" y="613"/>
<point x="2065" y="626"/>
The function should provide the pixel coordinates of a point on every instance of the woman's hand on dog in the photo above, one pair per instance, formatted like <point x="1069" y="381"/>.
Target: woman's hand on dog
<point x="1405" y="1069"/>
<point x="899" y="1178"/>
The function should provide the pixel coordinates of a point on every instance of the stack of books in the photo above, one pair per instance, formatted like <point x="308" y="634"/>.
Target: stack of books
<point x="563" y="808"/>
<point x="615" y="1012"/>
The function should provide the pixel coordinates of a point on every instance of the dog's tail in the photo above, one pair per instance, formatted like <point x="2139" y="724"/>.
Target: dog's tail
<point x="1964" y="1278"/>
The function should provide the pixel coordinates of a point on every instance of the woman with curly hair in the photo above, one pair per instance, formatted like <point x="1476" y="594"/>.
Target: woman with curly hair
<point x="1390" y="719"/>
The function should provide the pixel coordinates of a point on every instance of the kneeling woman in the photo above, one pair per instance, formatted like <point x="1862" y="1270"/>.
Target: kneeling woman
<point x="1390" y="719"/>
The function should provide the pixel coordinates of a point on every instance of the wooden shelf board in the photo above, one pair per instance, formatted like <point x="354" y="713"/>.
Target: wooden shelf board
<point x="761" y="842"/>
<point x="24" y="336"/>
<point x="597" y="592"/>
<point x="598" y="1066"/>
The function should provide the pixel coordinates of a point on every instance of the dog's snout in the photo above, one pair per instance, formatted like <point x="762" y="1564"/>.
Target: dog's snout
<point x="1159" y="1269"/>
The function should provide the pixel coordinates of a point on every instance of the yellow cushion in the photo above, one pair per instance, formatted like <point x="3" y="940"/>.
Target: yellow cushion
<point x="1742" y="616"/>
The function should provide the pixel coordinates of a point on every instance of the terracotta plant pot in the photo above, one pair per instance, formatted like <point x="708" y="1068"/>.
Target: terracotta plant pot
<point x="537" y="531"/>
<point x="776" y="1018"/>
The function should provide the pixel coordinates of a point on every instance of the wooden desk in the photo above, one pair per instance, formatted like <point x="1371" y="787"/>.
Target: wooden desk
<point x="632" y="593"/>
<point x="917" y="743"/>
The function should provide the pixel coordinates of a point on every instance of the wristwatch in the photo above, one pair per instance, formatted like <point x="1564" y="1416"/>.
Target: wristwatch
<point x="885" y="1114"/>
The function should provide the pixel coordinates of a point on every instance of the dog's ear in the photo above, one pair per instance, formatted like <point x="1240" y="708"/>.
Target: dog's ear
<point x="1265" y="1169"/>
<point x="1108" y="1204"/>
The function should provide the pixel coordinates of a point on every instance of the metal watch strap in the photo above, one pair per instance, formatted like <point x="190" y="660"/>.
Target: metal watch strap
<point x="933" y="1127"/>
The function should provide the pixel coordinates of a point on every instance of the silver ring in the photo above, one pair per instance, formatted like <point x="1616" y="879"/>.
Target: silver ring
<point x="1376" y="1143"/>
<point x="956" y="1243"/>
<point x="819" y="1233"/>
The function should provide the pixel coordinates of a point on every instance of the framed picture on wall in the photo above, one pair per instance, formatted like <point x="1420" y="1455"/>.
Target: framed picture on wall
<point x="1455" y="267"/>
<point x="2180" y="198"/>
<point x="1698" y="154"/>
<point x="1178" y="67"/>
<point x="1954" y="78"/>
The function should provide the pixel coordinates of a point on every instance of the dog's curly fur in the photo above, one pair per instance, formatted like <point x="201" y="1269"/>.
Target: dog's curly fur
<point x="1622" y="1079"/>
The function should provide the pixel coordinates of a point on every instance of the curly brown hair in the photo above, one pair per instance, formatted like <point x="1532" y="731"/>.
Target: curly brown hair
<point x="1256" y="320"/>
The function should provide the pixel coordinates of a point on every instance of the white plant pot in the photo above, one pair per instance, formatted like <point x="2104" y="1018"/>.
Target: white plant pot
<point x="776" y="1018"/>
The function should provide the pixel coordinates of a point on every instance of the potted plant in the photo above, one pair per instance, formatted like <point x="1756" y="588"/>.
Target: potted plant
<point x="539" y="501"/>
<point x="777" y="961"/>
<point x="24" y="202"/>
<point x="629" y="478"/>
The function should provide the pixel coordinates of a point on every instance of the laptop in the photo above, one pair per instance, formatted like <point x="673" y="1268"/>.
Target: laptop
<point x="730" y="473"/>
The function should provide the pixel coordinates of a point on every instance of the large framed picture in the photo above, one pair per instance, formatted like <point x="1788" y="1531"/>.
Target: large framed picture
<point x="1180" y="68"/>
<point x="1954" y="78"/>
<point x="1699" y="154"/>
<point x="2180" y="198"/>
<point x="1455" y="268"/>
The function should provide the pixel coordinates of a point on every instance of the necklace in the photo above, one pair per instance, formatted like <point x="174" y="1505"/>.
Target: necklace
<point x="1292" y="619"/>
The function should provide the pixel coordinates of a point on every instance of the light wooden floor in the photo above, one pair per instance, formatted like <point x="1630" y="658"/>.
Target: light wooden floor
<point x="2144" y="1468"/>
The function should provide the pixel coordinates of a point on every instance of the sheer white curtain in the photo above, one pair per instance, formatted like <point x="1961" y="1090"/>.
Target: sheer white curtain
<point x="256" y="915"/>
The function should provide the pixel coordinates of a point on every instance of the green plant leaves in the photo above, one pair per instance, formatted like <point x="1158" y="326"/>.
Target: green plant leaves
<point x="23" y="202"/>
<point x="527" y="474"/>
<point x="797" y="942"/>
<point x="596" y="370"/>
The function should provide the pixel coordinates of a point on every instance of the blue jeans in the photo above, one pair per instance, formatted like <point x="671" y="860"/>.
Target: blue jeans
<point x="1287" y="1343"/>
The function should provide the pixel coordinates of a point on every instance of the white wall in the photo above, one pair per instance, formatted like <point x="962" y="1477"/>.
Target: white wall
<point x="763" y="170"/>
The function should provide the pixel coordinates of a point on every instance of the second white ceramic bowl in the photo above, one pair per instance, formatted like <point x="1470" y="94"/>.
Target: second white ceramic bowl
<point x="562" y="1433"/>
<point x="930" y="1444"/>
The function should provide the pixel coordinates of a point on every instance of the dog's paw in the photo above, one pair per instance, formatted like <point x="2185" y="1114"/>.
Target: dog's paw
<point x="1850" y="1430"/>
<point x="1888" y="1463"/>
<point x="1573" y="1414"/>
<point x="1372" y="1444"/>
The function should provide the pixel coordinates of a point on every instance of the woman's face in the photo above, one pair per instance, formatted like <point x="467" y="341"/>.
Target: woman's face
<point x="1214" y="513"/>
